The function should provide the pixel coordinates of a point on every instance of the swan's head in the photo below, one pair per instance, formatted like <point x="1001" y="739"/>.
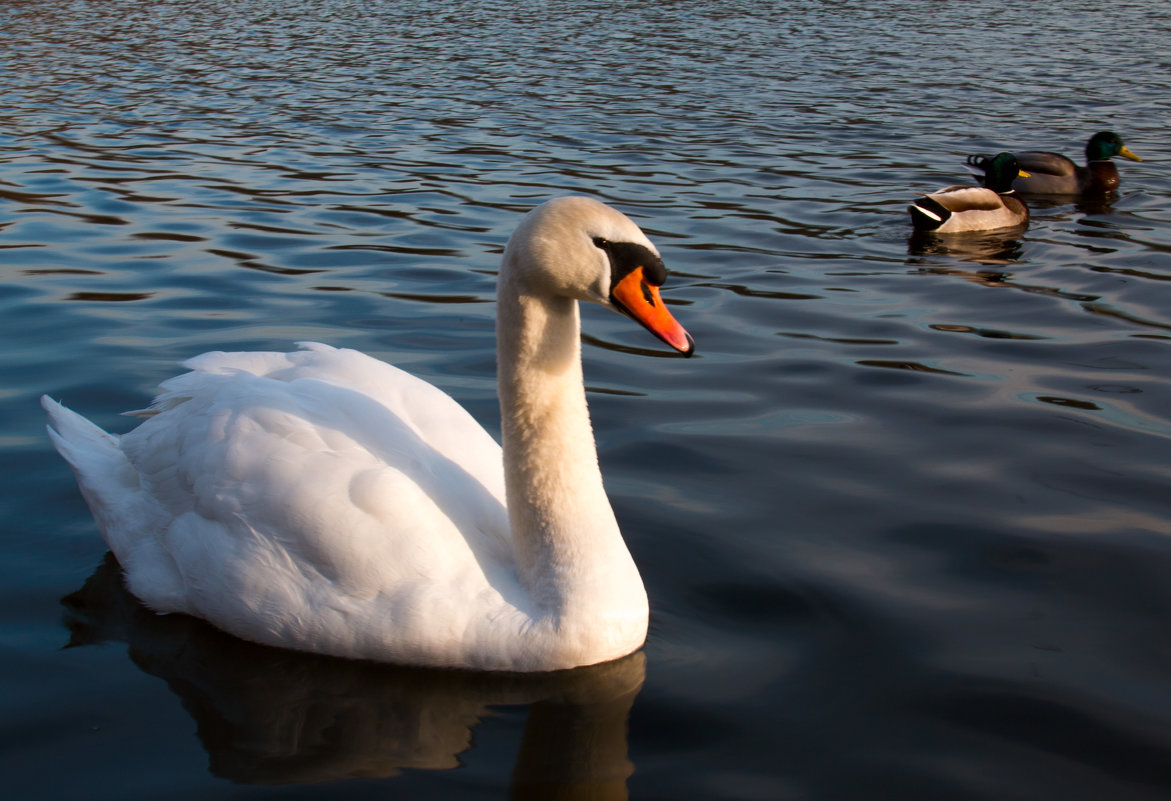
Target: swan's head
<point x="580" y="248"/>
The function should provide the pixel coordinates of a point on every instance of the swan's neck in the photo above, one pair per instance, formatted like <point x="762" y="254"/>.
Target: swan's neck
<point x="570" y="554"/>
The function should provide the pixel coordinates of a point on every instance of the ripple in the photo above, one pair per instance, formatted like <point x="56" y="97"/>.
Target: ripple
<point x="860" y="568"/>
<point x="110" y="297"/>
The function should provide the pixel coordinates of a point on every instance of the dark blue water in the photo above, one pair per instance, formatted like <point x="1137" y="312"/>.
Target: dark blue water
<point x="904" y="520"/>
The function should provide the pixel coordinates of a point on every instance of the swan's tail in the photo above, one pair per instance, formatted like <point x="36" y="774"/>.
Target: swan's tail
<point x="84" y="445"/>
<point x="128" y="517"/>
<point x="106" y="478"/>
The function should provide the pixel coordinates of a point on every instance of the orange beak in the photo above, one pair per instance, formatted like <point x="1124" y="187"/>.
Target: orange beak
<point x="640" y="300"/>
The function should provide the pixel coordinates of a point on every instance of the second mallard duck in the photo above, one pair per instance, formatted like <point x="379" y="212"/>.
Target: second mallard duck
<point x="1055" y="174"/>
<point x="975" y="208"/>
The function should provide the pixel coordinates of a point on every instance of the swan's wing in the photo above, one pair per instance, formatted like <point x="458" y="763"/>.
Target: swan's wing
<point x="286" y="488"/>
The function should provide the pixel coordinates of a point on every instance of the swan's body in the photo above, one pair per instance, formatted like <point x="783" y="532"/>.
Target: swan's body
<point x="1055" y="174"/>
<point x="957" y="209"/>
<point x="324" y="501"/>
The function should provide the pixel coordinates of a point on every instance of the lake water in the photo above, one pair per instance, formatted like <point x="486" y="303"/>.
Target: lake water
<point x="904" y="520"/>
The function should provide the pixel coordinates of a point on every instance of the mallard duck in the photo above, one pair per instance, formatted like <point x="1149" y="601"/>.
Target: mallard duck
<point x="324" y="501"/>
<point x="1055" y="174"/>
<point x="975" y="208"/>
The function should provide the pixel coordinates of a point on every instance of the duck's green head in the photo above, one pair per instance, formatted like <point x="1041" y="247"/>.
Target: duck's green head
<point x="1000" y="171"/>
<point x="1104" y="145"/>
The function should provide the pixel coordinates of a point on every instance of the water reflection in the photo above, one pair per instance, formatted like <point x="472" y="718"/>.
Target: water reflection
<point x="992" y="248"/>
<point x="269" y="716"/>
<point x="1091" y="206"/>
<point x="999" y="280"/>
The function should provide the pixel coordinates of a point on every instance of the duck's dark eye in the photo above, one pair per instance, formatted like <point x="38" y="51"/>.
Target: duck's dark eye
<point x="601" y="242"/>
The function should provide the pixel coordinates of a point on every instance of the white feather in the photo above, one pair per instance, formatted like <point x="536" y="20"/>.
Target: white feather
<point x="325" y="501"/>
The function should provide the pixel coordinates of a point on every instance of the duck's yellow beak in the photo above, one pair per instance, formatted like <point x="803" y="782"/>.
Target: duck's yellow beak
<point x="1023" y="174"/>
<point x="639" y="299"/>
<point x="1126" y="152"/>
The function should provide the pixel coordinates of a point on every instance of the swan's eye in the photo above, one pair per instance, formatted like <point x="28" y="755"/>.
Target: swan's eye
<point x="601" y="242"/>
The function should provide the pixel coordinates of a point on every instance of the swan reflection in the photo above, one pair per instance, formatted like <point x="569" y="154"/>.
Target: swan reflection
<point x="270" y="716"/>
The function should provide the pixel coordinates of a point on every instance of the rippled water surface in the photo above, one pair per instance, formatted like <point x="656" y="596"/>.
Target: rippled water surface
<point x="904" y="520"/>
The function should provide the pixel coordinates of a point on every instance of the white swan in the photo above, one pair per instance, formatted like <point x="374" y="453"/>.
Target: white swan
<point x="324" y="501"/>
